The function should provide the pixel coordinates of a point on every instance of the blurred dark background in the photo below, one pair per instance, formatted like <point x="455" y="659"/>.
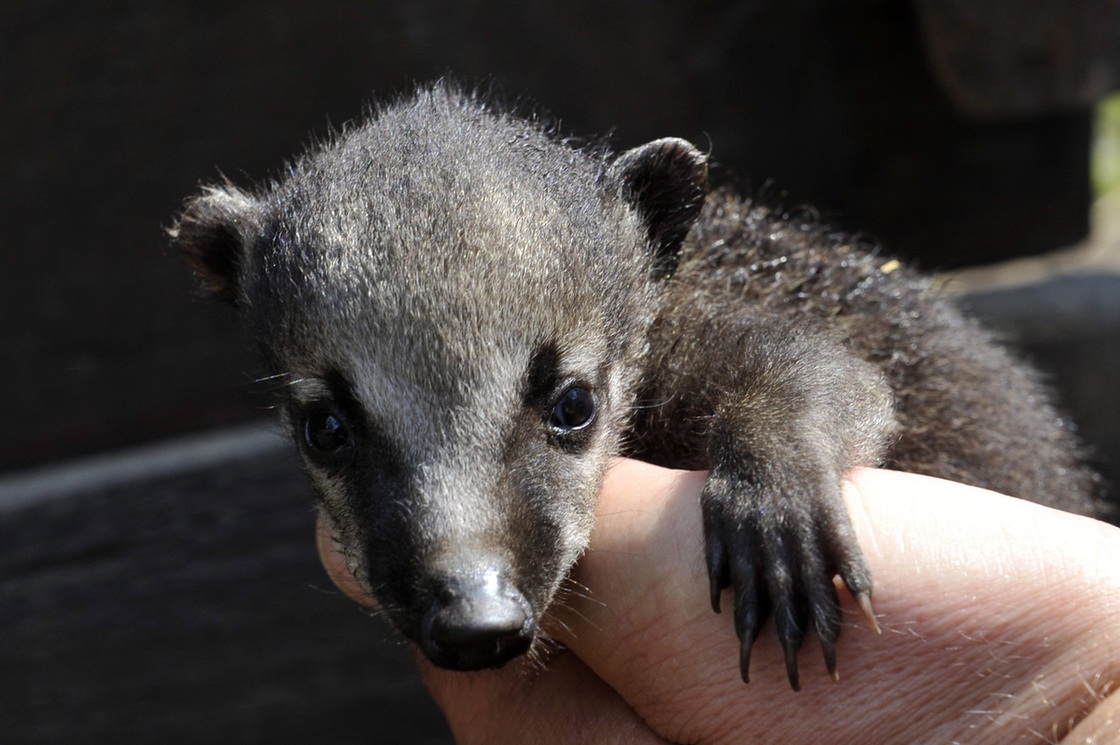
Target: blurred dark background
<point x="166" y="594"/>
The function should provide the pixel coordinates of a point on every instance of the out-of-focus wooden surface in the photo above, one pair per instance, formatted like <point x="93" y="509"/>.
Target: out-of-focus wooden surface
<point x="173" y="595"/>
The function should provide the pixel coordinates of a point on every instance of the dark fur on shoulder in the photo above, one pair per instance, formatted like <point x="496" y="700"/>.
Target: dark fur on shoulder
<point x="473" y="317"/>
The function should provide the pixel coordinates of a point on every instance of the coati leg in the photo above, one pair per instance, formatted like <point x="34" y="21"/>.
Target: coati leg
<point x="783" y="412"/>
<point x="800" y="412"/>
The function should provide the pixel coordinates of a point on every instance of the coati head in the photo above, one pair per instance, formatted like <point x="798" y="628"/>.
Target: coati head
<point x="459" y="305"/>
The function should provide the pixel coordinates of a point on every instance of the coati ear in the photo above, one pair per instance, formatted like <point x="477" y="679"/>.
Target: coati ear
<point x="212" y="233"/>
<point x="667" y="181"/>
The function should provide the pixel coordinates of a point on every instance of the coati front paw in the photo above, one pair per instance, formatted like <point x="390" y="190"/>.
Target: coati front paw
<point x="780" y="552"/>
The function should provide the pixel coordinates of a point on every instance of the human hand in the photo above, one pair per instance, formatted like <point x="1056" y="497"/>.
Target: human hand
<point x="1001" y="623"/>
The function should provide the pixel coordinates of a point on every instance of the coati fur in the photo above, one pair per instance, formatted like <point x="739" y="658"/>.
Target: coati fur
<point x="471" y="317"/>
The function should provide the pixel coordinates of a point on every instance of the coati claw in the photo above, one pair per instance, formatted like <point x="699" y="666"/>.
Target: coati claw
<point x="780" y="566"/>
<point x="863" y="600"/>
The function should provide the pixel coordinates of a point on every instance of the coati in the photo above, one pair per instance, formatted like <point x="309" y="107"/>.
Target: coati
<point x="471" y="317"/>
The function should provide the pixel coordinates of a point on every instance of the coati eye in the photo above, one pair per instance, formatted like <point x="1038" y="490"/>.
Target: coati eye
<point x="575" y="409"/>
<point x="324" y="432"/>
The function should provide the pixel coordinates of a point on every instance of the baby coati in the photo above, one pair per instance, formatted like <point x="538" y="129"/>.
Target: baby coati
<point x="473" y="317"/>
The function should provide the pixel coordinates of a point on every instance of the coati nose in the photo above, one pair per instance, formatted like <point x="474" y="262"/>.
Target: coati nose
<point x="477" y="622"/>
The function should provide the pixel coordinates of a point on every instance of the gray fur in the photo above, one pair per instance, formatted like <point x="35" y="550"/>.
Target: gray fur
<point x="435" y="279"/>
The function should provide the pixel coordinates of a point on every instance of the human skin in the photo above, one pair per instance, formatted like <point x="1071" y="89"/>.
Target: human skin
<point x="1000" y="624"/>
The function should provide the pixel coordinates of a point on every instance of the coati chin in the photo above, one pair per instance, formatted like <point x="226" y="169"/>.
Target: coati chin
<point x="471" y="317"/>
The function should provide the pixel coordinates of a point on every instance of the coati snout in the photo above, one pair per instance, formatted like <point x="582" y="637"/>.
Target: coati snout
<point x="471" y="317"/>
<point x="477" y="621"/>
